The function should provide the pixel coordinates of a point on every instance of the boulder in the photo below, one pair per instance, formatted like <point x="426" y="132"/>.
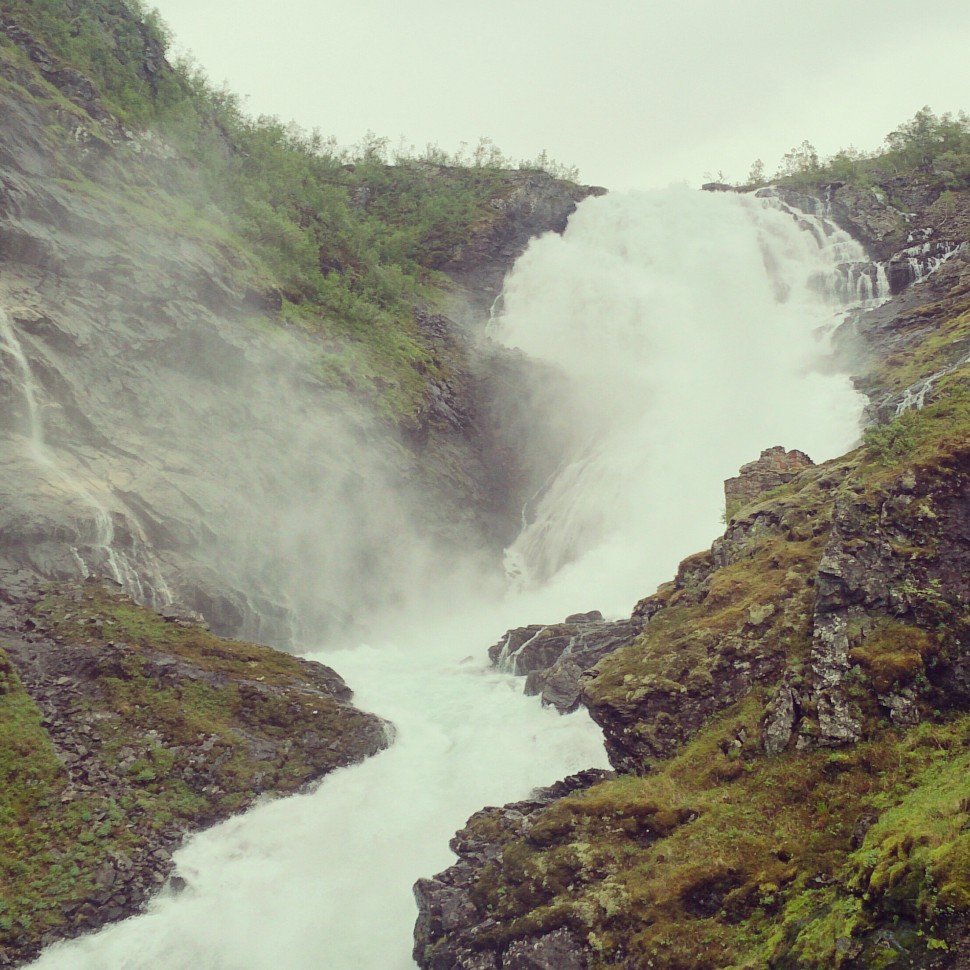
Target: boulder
<point x="774" y="467"/>
<point x="555" y="657"/>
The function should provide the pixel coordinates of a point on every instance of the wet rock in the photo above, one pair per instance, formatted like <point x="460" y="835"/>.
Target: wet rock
<point x="558" y="685"/>
<point x="124" y="372"/>
<point x="538" y="203"/>
<point x="555" y="657"/>
<point x="79" y="722"/>
<point x="903" y="709"/>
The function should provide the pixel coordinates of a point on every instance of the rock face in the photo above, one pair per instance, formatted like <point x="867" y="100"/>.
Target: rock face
<point x="452" y="929"/>
<point x="824" y="631"/>
<point x="555" y="657"/>
<point x="537" y="204"/>
<point x="775" y="467"/>
<point x="167" y="431"/>
<point x="898" y="219"/>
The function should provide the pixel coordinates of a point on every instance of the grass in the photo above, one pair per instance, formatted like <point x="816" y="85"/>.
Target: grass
<point x="49" y="850"/>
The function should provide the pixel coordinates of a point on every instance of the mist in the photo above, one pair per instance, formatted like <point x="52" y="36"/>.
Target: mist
<point x="189" y="452"/>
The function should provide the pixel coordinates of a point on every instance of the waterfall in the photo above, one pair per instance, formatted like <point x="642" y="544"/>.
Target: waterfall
<point x="690" y="333"/>
<point x="97" y="548"/>
<point x="20" y="375"/>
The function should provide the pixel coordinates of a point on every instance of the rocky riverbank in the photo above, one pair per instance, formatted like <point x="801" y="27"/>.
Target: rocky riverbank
<point x="123" y="731"/>
<point x="788" y="715"/>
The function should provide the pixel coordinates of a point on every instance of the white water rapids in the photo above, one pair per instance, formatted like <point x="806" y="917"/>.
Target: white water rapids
<point x="687" y="327"/>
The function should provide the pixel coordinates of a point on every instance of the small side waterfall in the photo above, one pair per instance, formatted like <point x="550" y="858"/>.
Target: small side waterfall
<point x="18" y="370"/>
<point x="97" y="548"/>
<point x="851" y="278"/>
<point x="924" y="255"/>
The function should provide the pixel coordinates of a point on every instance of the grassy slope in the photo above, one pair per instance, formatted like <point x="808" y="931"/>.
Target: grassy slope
<point x="723" y="856"/>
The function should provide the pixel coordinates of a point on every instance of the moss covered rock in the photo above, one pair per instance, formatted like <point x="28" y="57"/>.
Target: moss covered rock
<point x="122" y="731"/>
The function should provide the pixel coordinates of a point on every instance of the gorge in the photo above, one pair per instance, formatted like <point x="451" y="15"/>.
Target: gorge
<point x="461" y="738"/>
<point x="328" y="454"/>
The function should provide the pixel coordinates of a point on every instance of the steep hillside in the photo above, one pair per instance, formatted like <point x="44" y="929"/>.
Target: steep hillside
<point x="241" y="390"/>
<point x="788" y="716"/>
<point x="218" y="321"/>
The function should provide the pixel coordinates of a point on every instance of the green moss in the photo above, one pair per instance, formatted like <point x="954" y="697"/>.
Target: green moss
<point x="95" y="615"/>
<point x="755" y="611"/>
<point x="48" y="851"/>
<point x="821" y="925"/>
<point x="948" y="339"/>
<point x="893" y="654"/>
<point x="913" y="860"/>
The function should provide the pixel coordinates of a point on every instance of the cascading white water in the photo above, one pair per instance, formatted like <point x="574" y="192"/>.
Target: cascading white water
<point x="96" y="549"/>
<point x="683" y="324"/>
<point x="18" y="370"/>
<point x="691" y="333"/>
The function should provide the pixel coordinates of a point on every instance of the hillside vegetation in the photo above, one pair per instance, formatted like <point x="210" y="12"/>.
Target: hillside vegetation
<point x="344" y="243"/>
<point x="934" y="147"/>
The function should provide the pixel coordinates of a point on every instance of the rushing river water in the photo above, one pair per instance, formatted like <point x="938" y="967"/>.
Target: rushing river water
<point x="691" y="332"/>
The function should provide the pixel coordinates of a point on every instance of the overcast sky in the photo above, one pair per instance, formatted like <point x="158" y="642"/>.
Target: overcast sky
<point x="636" y="93"/>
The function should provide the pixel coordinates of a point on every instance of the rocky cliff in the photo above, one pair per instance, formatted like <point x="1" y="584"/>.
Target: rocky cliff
<point x="191" y="440"/>
<point x="129" y="337"/>
<point x="788" y="715"/>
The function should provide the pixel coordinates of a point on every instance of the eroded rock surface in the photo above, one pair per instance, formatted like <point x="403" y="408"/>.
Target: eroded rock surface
<point x="555" y="657"/>
<point x="170" y="404"/>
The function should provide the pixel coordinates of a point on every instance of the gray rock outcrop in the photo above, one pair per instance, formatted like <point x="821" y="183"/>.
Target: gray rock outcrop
<point x="454" y="930"/>
<point x="774" y="467"/>
<point x="555" y="657"/>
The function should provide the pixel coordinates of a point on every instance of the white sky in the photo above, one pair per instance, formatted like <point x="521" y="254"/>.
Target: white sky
<point x="636" y="94"/>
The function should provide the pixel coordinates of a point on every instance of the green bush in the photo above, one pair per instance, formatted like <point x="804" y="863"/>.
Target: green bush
<point x="887" y="443"/>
